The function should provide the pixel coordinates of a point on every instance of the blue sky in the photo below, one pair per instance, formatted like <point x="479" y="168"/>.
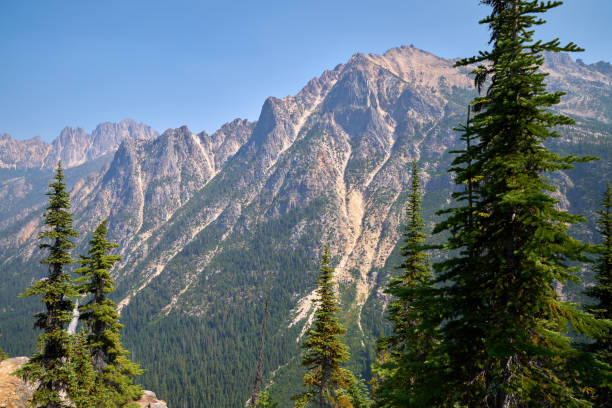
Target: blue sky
<point x="203" y="63"/>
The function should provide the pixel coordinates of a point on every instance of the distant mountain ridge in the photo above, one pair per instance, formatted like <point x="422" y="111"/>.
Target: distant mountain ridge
<point x="207" y="222"/>
<point x="73" y="146"/>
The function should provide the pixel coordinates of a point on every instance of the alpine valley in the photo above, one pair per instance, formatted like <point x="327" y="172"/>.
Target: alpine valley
<point x="209" y="223"/>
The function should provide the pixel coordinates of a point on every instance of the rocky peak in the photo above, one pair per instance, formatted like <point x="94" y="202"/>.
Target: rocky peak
<point x="22" y="154"/>
<point x="585" y="86"/>
<point x="603" y="67"/>
<point x="73" y="146"/>
<point x="226" y="141"/>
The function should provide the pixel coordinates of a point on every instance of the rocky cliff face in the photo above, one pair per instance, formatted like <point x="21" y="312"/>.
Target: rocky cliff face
<point x="207" y="222"/>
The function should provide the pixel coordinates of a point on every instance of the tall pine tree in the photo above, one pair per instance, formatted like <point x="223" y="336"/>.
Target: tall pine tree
<point x="410" y="344"/>
<point x="50" y="365"/>
<point x="504" y="335"/>
<point x="602" y="294"/>
<point x="324" y="353"/>
<point x="114" y="386"/>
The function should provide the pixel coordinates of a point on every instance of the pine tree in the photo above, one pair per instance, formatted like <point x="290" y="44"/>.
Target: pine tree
<point x="602" y="294"/>
<point x="406" y="350"/>
<point x="324" y="353"/>
<point x="114" y="371"/>
<point x="50" y="365"/>
<point x="504" y="337"/>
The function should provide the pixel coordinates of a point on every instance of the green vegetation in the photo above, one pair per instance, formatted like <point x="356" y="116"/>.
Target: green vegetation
<point x="50" y="365"/>
<point x="504" y="341"/>
<point x="90" y="369"/>
<point x="113" y="370"/>
<point x="602" y="309"/>
<point x="327" y="383"/>
<point x="491" y="329"/>
<point x="403" y="354"/>
<point x="265" y="401"/>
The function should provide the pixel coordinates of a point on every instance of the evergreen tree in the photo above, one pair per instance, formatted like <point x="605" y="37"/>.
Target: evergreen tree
<point x="265" y="401"/>
<point x="50" y="365"/>
<point x="82" y="386"/>
<point x="259" y="369"/>
<point x="114" y="371"/>
<point x="410" y="344"/>
<point x="356" y="392"/>
<point x="602" y="293"/>
<point x="504" y="337"/>
<point x="324" y="353"/>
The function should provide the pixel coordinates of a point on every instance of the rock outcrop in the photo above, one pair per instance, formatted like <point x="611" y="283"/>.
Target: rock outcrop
<point x="15" y="393"/>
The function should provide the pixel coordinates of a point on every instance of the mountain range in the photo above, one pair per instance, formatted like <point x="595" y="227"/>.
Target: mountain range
<point x="209" y="224"/>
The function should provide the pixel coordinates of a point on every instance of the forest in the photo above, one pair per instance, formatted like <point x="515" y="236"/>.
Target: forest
<point x="485" y="326"/>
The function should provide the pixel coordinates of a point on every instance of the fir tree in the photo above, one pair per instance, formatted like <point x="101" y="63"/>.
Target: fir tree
<point x="504" y="338"/>
<point x="114" y="371"/>
<point x="406" y="350"/>
<point x="602" y="294"/>
<point x="324" y="353"/>
<point x="50" y="365"/>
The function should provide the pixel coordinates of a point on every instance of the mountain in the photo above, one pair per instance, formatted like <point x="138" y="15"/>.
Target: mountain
<point x="73" y="146"/>
<point x="207" y="223"/>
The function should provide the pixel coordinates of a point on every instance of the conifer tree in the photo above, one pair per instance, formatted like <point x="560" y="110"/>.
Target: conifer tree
<point x="114" y="386"/>
<point x="602" y="294"/>
<point x="324" y="353"/>
<point x="410" y="344"/>
<point x="50" y="365"/>
<point x="265" y="401"/>
<point x="504" y="335"/>
<point x="82" y="386"/>
<point x="355" y="392"/>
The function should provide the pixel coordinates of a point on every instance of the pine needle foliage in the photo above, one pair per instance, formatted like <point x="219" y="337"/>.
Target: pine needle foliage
<point x="504" y="335"/>
<point x="114" y="385"/>
<point x="403" y="354"/>
<point x="324" y="352"/>
<point x="602" y="294"/>
<point x="50" y="365"/>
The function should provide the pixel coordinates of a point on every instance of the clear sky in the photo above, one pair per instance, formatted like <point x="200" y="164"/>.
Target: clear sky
<point x="203" y="63"/>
